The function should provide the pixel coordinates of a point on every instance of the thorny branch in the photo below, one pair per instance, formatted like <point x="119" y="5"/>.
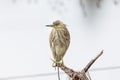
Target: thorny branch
<point x="82" y="74"/>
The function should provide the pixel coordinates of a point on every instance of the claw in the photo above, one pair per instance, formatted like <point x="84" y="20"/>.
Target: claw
<point x="54" y="64"/>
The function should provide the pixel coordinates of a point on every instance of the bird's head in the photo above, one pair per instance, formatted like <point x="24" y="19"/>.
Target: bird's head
<point x="56" y="24"/>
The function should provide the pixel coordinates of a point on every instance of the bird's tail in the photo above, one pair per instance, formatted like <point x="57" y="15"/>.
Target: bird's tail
<point x="58" y="73"/>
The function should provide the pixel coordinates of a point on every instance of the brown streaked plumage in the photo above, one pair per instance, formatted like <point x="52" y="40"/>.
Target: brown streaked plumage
<point x="59" y="40"/>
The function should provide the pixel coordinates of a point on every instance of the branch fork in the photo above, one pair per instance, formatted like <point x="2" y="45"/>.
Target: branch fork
<point x="82" y="75"/>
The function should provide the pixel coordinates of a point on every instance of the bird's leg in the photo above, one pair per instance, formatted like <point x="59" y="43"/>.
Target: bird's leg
<point x="62" y="64"/>
<point x="54" y="62"/>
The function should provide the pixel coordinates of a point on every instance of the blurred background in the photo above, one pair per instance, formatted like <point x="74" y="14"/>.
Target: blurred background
<point x="94" y="25"/>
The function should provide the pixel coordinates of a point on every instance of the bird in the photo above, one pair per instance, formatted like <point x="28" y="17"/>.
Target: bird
<point x="59" y="40"/>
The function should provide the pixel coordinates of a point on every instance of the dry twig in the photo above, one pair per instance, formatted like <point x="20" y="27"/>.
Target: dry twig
<point x="82" y="74"/>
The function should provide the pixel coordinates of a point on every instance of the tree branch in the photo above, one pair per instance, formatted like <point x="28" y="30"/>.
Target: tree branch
<point x="92" y="61"/>
<point x="82" y="74"/>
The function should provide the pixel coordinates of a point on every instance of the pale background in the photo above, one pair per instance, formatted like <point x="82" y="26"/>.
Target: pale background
<point x="24" y="39"/>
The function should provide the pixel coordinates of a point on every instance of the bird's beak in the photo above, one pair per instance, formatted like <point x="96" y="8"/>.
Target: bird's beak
<point x="49" y="25"/>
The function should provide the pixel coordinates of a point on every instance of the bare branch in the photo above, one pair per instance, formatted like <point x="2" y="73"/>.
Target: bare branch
<point x="92" y="61"/>
<point x="82" y="74"/>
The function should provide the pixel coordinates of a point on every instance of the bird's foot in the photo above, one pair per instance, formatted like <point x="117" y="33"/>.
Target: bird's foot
<point x="54" y="63"/>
